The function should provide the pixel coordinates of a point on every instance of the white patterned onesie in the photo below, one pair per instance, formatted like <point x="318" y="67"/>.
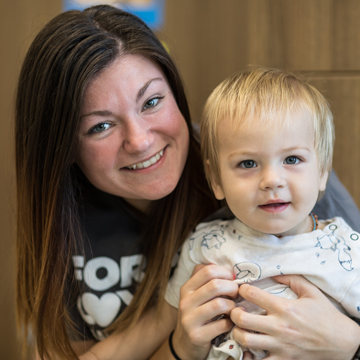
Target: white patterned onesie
<point x="329" y="258"/>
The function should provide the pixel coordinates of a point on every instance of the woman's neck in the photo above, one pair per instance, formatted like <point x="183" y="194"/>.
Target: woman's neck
<point x="142" y="205"/>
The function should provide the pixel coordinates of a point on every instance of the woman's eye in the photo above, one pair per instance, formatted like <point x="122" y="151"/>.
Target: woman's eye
<point x="152" y="103"/>
<point x="99" y="128"/>
<point x="292" y="160"/>
<point x="248" y="164"/>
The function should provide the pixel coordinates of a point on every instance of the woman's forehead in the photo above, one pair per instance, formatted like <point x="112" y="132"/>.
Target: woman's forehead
<point x="129" y="76"/>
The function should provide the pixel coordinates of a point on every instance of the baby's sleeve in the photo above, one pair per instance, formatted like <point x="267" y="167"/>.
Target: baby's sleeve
<point x="351" y="300"/>
<point x="181" y="275"/>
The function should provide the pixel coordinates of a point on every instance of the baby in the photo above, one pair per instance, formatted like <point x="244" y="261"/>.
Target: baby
<point x="267" y="141"/>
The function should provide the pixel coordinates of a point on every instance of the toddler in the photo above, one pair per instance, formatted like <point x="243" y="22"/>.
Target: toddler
<point x="267" y="141"/>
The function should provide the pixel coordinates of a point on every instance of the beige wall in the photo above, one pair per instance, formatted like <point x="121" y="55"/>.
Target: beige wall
<point x="210" y="39"/>
<point x="19" y="22"/>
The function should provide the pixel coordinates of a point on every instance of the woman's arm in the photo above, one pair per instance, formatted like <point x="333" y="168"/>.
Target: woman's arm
<point x="200" y="301"/>
<point x="80" y="347"/>
<point x="139" y="342"/>
<point x="205" y="296"/>
<point x="309" y="327"/>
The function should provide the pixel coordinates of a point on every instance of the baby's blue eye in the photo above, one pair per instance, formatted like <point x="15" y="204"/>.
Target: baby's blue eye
<point x="292" y="160"/>
<point x="99" y="128"/>
<point x="248" y="164"/>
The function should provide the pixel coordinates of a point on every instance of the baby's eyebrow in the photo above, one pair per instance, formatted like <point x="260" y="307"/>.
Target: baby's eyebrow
<point x="243" y="153"/>
<point x="294" y="148"/>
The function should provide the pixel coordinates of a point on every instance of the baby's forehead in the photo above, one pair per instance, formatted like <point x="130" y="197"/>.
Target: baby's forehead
<point x="270" y="119"/>
<point x="254" y="140"/>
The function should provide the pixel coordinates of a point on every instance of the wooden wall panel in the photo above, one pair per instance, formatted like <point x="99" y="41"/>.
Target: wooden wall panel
<point x="306" y="36"/>
<point x="212" y="39"/>
<point x="20" y="20"/>
<point x="343" y="92"/>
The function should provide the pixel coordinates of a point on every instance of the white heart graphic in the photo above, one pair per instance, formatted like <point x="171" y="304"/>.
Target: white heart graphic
<point x="103" y="310"/>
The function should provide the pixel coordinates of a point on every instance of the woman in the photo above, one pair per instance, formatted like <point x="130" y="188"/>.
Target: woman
<point x="108" y="170"/>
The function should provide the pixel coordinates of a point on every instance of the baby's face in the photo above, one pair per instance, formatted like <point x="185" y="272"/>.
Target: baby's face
<point x="270" y="177"/>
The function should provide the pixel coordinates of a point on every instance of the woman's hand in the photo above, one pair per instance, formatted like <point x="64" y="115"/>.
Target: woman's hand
<point x="208" y="294"/>
<point x="309" y="327"/>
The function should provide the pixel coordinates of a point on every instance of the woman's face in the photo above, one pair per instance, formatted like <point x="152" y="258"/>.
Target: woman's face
<point x="133" y="139"/>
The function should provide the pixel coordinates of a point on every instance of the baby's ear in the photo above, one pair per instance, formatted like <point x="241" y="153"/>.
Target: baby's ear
<point x="216" y="187"/>
<point x="323" y="180"/>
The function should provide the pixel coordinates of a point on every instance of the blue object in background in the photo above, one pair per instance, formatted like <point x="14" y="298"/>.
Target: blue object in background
<point x="151" y="12"/>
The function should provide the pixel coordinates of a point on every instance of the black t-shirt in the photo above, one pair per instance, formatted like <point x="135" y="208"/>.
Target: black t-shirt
<point x="109" y="266"/>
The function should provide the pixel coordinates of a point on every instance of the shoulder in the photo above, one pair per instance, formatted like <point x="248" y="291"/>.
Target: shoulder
<point x="336" y="223"/>
<point x="338" y="228"/>
<point x="209" y="235"/>
<point x="338" y="202"/>
<point x="211" y="226"/>
<point x="222" y="214"/>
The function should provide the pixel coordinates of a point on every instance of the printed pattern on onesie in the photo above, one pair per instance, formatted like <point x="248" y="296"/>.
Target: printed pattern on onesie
<point x="329" y="258"/>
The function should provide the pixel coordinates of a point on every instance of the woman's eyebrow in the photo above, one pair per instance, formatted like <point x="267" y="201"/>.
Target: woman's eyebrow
<point x="98" y="113"/>
<point x="141" y="92"/>
<point x="145" y="86"/>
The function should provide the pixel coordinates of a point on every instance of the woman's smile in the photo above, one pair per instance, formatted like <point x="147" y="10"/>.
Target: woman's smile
<point x="147" y="163"/>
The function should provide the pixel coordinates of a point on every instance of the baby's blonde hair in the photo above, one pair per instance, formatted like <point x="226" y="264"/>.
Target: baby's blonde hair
<point x="268" y="96"/>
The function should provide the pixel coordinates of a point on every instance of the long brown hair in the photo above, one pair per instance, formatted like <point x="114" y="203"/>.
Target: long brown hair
<point x="64" y="57"/>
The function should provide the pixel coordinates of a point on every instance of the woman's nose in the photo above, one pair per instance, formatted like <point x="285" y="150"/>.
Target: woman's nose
<point x="138" y="136"/>
<point x="272" y="178"/>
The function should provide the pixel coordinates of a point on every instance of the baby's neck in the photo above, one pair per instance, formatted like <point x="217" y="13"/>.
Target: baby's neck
<point x="312" y="224"/>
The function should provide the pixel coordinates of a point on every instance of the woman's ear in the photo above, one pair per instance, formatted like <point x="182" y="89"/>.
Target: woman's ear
<point x="216" y="187"/>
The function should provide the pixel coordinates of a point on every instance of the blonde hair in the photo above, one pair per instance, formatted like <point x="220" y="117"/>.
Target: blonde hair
<point x="264" y="94"/>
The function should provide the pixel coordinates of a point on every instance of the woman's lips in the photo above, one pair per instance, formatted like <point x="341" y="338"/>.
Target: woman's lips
<point x="147" y="163"/>
<point x="274" y="206"/>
